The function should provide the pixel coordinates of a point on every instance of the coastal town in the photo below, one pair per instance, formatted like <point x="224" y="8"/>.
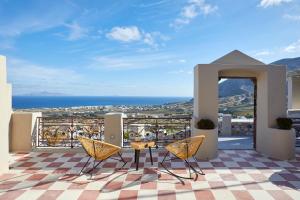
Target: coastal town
<point x="238" y="105"/>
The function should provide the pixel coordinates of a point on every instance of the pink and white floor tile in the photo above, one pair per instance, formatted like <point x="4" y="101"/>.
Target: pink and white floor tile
<point x="235" y="174"/>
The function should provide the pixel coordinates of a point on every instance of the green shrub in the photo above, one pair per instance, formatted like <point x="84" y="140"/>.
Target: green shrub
<point x="126" y="135"/>
<point x="205" y="124"/>
<point x="284" y="123"/>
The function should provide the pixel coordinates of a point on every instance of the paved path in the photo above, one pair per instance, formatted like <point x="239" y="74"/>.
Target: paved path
<point x="242" y="142"/>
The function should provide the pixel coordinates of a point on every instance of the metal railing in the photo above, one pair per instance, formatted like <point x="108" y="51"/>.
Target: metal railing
<point x="296" y="126"/>
<point x="63" y="131"/>
<point x="161" y="130"/>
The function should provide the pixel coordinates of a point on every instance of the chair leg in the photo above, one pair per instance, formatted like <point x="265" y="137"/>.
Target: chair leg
<point x="165" y="157"/>
<point x="85" y="165"/>
<point x="150" y="151"/>
<point x="201" y="172"/>
<point x="94" y="167"/>
<point x="171" y="173"/>
<point x="137" y="160"/>
<point x="191" y="167"/>
<point x="122" y="160"/>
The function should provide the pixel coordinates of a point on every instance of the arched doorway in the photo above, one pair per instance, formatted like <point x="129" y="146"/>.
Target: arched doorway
<point x="245" y="137"/>
<point x="270" y="101"/>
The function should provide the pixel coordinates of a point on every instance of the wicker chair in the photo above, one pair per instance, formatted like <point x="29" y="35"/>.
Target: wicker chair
<point x="100" y="151"/>
<point x="184" y="149"/>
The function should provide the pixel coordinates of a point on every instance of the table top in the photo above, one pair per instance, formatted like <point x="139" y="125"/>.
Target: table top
<point x="139" y="145"/>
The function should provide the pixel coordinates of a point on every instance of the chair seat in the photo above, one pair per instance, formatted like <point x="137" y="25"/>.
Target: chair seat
<point x="99" y="150"/>
<point x="178" y="149"/>
<point x="106" y="155"/>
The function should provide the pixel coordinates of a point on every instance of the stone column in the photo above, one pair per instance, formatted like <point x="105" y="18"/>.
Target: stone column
<point x="113" y="128"/>
<point x="5" y="113"/>
<point x="226" y="125"/>
<point x="206" y="107"/>
<point x="23" y="131"/>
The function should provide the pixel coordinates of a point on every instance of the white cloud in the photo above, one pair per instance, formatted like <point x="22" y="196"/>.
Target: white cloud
<point x="125" y="34"/>
<point x="76" y="31"/>
<point x="269" y="3"/>
<point x="192" y="10"/>
<point x="40" y="17"/>
<point x="134" y="34"/>
<point x="129" y="62"/>
<point x="293" y="47"/>
<point x="28" y="77"/>
<point x="263" y="53"/>
<point x="149" y="39"/>
<point x="276" y="53"/>
<point x="182" y="60"/>
<point x="292" y="17"/>
<point x="181" y="71"/>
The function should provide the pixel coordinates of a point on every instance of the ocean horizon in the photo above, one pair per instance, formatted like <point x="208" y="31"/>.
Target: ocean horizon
<point x="31" y="102"/>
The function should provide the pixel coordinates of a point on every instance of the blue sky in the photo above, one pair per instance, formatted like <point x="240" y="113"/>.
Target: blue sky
<point x="136" y="48"/>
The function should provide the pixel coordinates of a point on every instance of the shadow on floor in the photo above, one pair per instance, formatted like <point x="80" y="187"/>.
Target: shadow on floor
<point x="279" y="179"/>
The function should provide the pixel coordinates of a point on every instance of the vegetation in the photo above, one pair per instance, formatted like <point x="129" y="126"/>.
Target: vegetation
<point x="284" y="123"/>
<point x="205" y="124"/>
<point x="126" y="135"/>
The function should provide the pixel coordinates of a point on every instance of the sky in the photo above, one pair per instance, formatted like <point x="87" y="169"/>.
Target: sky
<point x="136" y="47"/>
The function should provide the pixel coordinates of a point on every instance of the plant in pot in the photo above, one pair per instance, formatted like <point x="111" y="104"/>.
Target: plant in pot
<point x="284" y="123"/>
<point x="207" y="128"/>
<point x="205" y="124"/>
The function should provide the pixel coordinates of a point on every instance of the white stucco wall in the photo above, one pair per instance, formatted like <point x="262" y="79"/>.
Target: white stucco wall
<point x="293" y="92"/>
<point x="296" y="93"/>
<point x="5" y="113"/>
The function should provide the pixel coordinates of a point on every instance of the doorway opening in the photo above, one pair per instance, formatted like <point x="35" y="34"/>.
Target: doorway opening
<point x="237" y="113"/>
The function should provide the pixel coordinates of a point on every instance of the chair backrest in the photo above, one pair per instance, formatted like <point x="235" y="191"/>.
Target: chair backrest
<point x="97" y="149"/>
<point x="193" y="144"/>
<point x="187" y="147"/>
<point x="88" y="145"/>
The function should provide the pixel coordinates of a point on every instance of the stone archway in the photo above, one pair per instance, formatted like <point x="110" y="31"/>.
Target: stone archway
<point x="271" y="100"/>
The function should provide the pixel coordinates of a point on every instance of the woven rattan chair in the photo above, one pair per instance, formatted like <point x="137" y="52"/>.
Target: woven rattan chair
<point x="184" y="149"/>
<point x="100" y="151"/>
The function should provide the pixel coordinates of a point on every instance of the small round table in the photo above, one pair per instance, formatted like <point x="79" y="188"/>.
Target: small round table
<point x="138" y="146"/>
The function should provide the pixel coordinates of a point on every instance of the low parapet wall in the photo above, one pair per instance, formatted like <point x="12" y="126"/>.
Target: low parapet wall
<point x="238" y="127"/>
<point x="23" y="130"/>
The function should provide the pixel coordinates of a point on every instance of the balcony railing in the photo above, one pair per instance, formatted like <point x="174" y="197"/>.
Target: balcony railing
<point x="63" y="131"/>
<point x="162" y="130"/>
<point x="296" y="126"/>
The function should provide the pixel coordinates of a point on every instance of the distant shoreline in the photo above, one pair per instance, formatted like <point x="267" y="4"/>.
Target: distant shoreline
<point x="51" y="102"/>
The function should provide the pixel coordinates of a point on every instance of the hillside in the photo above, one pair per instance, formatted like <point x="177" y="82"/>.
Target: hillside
<point x="291" y="63"/>
<point x="232" y="87"/>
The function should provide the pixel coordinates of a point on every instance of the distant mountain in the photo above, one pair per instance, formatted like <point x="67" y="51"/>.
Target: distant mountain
<point x="233" y="87"/>
<point x="291" y="63"/>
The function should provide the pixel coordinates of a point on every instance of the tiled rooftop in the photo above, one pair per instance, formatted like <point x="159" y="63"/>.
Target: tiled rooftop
<point x="240" y="174"/>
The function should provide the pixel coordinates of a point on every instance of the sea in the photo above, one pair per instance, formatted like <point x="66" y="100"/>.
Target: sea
<point x="31" y="102"/>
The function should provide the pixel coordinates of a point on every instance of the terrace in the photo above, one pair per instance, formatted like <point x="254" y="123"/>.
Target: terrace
<point x="46" y="157"/>
<point x="234" y="174"/>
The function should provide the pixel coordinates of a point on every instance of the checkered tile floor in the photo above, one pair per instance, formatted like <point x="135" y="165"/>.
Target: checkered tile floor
<point x="240" y="174"/>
